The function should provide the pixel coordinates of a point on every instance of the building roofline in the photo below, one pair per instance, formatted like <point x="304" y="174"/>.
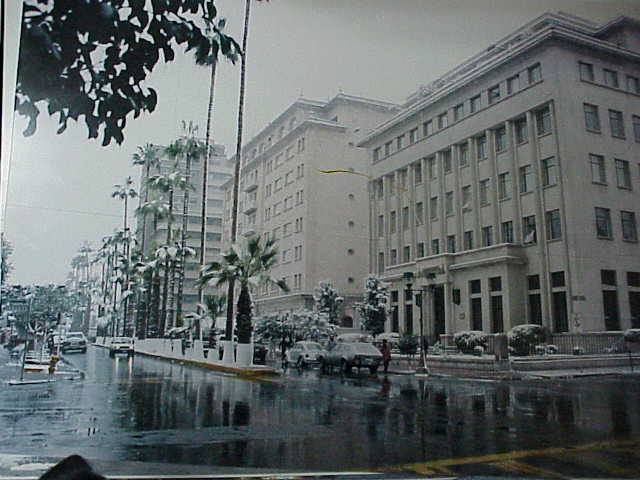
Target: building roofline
<point x="523" y="39"/>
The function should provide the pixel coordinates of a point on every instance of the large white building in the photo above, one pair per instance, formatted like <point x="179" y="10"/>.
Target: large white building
<point x="319" y="220"/>
<point x="507" y="191"/>
<point x="220" y="170"/>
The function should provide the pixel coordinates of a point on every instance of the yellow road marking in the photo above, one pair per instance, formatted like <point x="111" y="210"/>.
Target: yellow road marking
<point x="503" y="458"/>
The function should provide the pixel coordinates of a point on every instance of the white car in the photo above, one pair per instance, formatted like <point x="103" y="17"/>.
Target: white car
<point x="305" y="353"/>
<point x="121" y="346"/>
<point x="74" y="341"/>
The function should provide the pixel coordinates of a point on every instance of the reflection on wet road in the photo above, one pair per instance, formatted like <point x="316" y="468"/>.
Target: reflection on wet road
<point x="149" y="410"/>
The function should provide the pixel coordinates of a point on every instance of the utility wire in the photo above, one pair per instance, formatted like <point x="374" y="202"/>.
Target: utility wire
<point x="63" y="210"/>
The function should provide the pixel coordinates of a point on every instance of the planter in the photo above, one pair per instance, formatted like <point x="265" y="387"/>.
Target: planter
<point x="244" y="354"/>
<point x="227" y="356"/>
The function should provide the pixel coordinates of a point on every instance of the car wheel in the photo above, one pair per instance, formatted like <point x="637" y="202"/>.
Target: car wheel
<point x="373" y="370"/>
<point x="323" y="366"/>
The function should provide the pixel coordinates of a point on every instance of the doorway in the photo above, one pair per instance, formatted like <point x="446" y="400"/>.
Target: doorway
<point x="438" y="311"/>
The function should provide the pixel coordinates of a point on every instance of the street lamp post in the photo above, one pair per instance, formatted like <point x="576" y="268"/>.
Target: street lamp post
<point x="419" y="300"/>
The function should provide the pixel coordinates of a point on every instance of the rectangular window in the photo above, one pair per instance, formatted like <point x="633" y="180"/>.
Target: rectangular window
<point x="549" y="176"/>
<point x="475" y="287"/>
<point x="494" y="94"/>
<point x="464" y="151"/>
<point x="448" y="203"/>
<point x="497" y="317"/>
<point x="603" y="223"/>
<point x="402" y="179"/>
<point x="507" y="232"/>
<point x="598" y="171"/>
<point x="466" y="196"/>
<point x="419" y="213"/>
<point x="481" y="147"/>
<point x="616" y="123"/>
<point x="487" y="236"/>
<point x="458" y="112"/>
<point x="608" y="277"/>
<point x="554" y="228"/>
<point x="427" y="128"/>
<point x="504" y="186"/>
<point x="392" y="222"/>
<point x="446" y="161"/>
<point x="413" y="135"/>
<point x="376" y="154"/>
<point x="431" y="168"/>
<point x="526" y="179"/>
<point x="474" y="105"/>
<point x="629" y="228"/>
<point x="420" y="253"/>
<point x="543" y="121"/>
<point x="417" y="173"/>
<point x="435" y="247"/>
<point x="535" y="308"/>
<point x="500" y="136"/>
<point x="636" y="127"/>
<point x="633" y="279"/>
<point x="379" y="189"/>
<point x="406" y="254"/>
<point x="611" y="78"/>
<point x="433" y="208"/>
<point x="633" y="84"/>
<point x="610" y="310"/>
<point x="529" y="234"/>
<point x="468" y="240"/>
<point x="400" y="142"/>
<point x="387" y="149"/>
<point x="586" y="71"/>
<point x="557" y="280"/>
<point x="623" y="174"/>
<point x="513" y="84"/>
<point x="405" y="218"/>
<point x="392" y="184"/>
<point x="484" y="191"/>
<point x="443" y="120"/>
<point x="591" y="117"/>
<point x="380" y="262"/>
<point x="381" y="225"/>
<point x="495" y="284"/>
<point x="394" y="257"/>
<point x="520" y="127"/>
<point x="533" y="282"/>
<point x="451" y="244"/>
<point x="534" y="73"/>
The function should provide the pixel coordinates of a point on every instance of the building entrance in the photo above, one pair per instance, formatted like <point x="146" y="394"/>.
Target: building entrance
<point x="438" y="323"/>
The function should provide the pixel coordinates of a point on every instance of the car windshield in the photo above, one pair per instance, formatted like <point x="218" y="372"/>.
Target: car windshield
<point x="122" y="340"/>
<point x="313" y="346"/>
<point x="364" y="348"/>
<point x="74" y="335"/>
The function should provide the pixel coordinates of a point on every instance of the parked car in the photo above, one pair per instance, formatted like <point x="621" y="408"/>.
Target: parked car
<point x="353" y="337"/>
<point x="74" y="341"/>
<point x="121" y="346"/>
<point x="392" y="338"/>
<point x="305" y="353"/>
<point x="347" y="355"/>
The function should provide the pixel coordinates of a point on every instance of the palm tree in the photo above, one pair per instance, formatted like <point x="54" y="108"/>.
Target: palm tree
<point x="147" y="157"/>
<point x="230" y="51"/>
<point x="250" y="267"/>
<point x="191" y="149"/>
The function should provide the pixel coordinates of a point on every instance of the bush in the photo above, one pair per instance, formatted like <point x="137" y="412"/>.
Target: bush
<point x="632" y="335"/>
<point x="552" y="349"/>
<point x="468" y="340"/>
<point x="408" y="344"/>
<point x="523" y="338"/>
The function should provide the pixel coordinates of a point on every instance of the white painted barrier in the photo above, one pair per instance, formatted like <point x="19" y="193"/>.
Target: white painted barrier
<point x="175" y="350"/>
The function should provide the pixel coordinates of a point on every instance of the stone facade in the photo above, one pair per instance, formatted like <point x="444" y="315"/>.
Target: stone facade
<point x="506" y="192"/>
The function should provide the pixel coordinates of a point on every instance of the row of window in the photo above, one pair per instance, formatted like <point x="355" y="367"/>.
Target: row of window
<point x="281" y="182"/>
<point x="286" y="230"/>
<point x="266" y="145"/>
<point x="458" y="112"/>
<point x="285" y="254"/>
<point x="604" y="226"/>
<point x="543" y="127"/>
<point x="599" y="171"/>
<point x="608" y="77"/>
<point x="616" y="122"/>
<point x="287" y="205"/>
<point x="276" y="162"/>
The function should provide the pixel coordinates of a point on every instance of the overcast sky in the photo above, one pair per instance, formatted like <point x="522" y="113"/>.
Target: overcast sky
<point x="315" y="48"/>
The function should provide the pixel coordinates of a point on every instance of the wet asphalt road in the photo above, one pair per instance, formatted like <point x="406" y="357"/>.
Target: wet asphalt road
<point x="154" y="411"/>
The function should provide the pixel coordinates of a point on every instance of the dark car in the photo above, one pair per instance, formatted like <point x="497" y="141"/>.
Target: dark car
<point x="346" y="355"/>
<point x="74" y="341"/>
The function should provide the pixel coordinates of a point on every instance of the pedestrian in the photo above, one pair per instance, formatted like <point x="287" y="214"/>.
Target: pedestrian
<point x="386" y="354"/>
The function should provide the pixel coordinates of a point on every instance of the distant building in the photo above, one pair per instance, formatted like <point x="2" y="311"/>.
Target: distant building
<point x="507" y="191"/>
<point x="219" y="171"/>
<point x="318" y="219"/>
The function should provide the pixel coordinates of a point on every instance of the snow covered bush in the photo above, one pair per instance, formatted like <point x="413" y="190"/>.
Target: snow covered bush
<point x="468" y="340"/>
<point x="408" y="344"/>
<point x="632" y="335"/>
<point x="523" y="338"/>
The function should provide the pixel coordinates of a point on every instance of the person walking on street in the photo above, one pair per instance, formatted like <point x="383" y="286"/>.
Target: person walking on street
<point x="386" y="354"/>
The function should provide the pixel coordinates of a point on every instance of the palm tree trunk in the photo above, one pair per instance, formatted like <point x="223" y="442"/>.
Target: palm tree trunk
<point x="205" y="180"/>
<point x="172" y="294"/>
<point x="183" y="242"/>
<point x="236" y="168"/>
<point x="143" y="237"/>
<point x="165" y="287"/>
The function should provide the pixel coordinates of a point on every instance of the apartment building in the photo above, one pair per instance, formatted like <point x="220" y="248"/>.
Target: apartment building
<point x="220" y="170"/>
<point x="507" y="191"/>
<point x="319" y="220"/>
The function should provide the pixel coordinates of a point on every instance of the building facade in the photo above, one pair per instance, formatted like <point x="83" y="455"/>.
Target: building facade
<point x="507" y="191"/>
<point x="220" y="170"/>
<point x="318" y="219"/>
